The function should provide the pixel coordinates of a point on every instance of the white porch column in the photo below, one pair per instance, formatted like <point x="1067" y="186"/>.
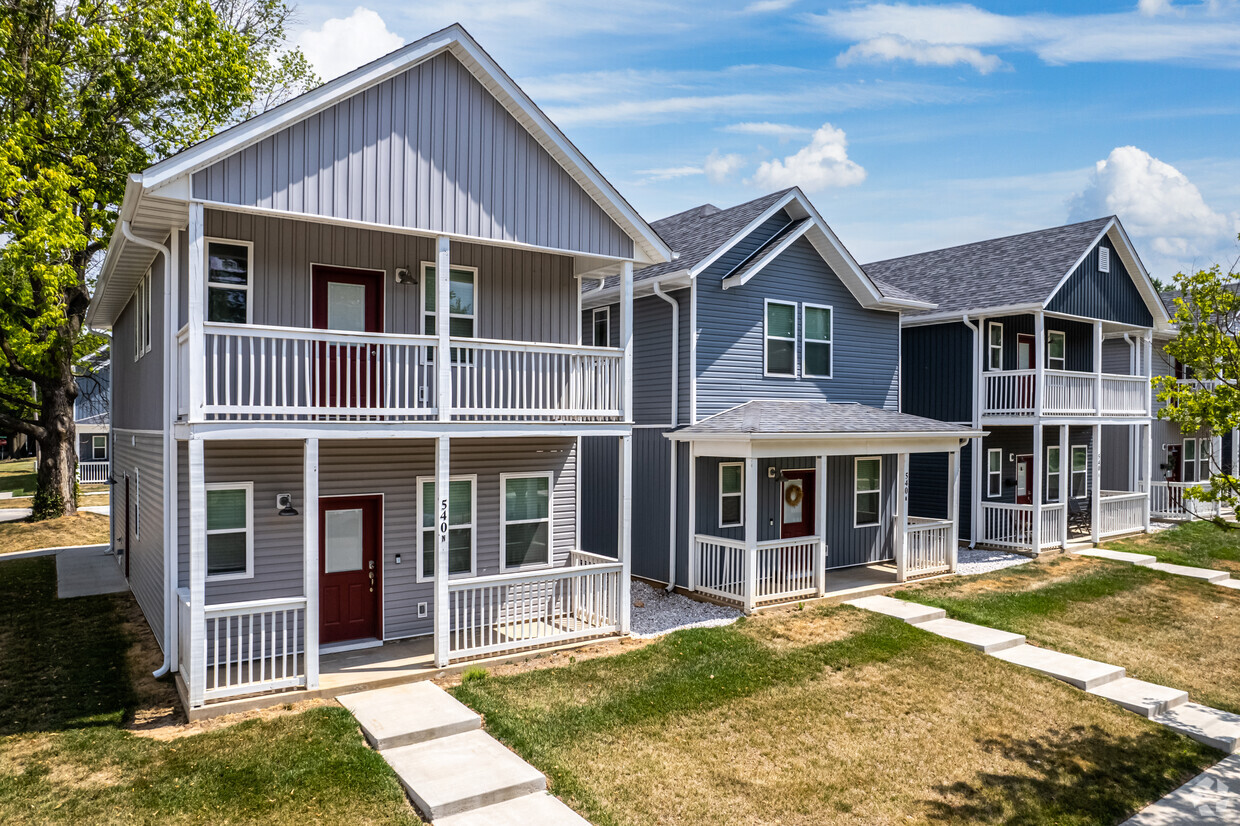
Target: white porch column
<point x="310" y="563"/>
<point x="980" y="343"/>
<point x="1039" y="365"/>
<point x="626" y="334"/>
<point x="1095" y="487"/>
<point x="953" y="506"/>
<point x="1039" y="459"/>
<point x="691" y="523"/>
<point x="197" y="656"/>
<point x="820" y="495"/>
<point x="751" y="533"/>
<point x="900" y="541"/>
<point x="442" y="608"/>
<point x="1065" y="481"/>
<point x="443" y="358"/>
<point x="624" y="543"/>
<point x="1147" y="469"/>
<point x="1235" y="452"/>
<point x="1149" y="374"/>
<point x="1098" y="367"/>
<point x="196" y="301"/>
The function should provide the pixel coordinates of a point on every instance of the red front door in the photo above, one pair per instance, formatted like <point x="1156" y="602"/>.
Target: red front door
<point x="347" y="300"/>
<point x="797" y="504"/>
<point x="1024" y="480"/>
<point x="349" y="568"/>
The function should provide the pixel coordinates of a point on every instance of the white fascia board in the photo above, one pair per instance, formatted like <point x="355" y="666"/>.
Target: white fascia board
<point x="706" y="262"/>
<point x="768" y="257"/>
<point x="856" y="444"/>
<point x="679" y="280"/>
<point x="957" y="315"/>
<point x="116" y="244"/>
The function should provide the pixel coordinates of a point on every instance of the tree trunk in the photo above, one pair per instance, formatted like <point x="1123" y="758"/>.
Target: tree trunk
<point x="56" y="494"/>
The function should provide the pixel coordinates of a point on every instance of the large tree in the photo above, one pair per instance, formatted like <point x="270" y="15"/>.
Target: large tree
<point x="1207" y="344"/>
<point x="91" y="91"/>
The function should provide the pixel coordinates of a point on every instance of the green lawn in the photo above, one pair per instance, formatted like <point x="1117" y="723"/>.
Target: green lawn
<point x="827" y="716"/>
<point x="18" y="476"/>
<point x="66" y="756"/>
<point x="1200" y="544"/>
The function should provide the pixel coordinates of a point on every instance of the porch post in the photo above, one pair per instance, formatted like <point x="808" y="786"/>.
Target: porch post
<point x="953" y="506"/>
<point x="751" y="533"/>
<point x="1148" y="372"/>
<point x="1095" y="502"/>
<point x="197" y="285"/>
<point x="1147" y="465"/>
<point x="691" y="523"/>
<point x="625" y="542"/>
<point x="976" y="453"/>
<point x="310" y="563"/>
<point x="443" y="359"/>
<point x="442" y="608"/>
<point x="1039" y="364"/>
<point x="1098" y="367"/>
<point x="196" y="658"/>
<point x="1065" y="481"/>
<point x="1035" y="532"/>
<point x="900" y="540"/>
<point x="820" y="494"/>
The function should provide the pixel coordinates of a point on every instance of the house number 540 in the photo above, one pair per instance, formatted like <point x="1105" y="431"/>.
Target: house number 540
<point x="443" y="522"/>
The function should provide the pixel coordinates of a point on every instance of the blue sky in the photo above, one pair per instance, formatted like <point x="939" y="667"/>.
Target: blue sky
<point x="912" y="126"/>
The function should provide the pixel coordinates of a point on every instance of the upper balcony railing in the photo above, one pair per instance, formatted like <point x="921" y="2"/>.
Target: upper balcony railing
<point x="263" y="373"/>
<point x="1066" y="393"/>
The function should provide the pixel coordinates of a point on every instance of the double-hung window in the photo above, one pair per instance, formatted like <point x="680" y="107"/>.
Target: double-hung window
<point x="731" y="494"/>
<point x="1080" y="471"/>
<point x="462" y="303"/>
<point x="994" y="472"/>
<point x="780" y="353"/>
<point x="1056" y="350"/>
<point x="600" y="323"/>
<point x="1053" y="473"/>
<point x="868" y="497"/>
<point x="816" y="332"/>
<point x="525" y="529"/>
<point x="1197" y="459"/>
<point x="98" y="448"/>
<point x="994" y="348"/>
<point x="462" y="510"/>
<point x="229" y="269"/>
<point x="230" y="530"/>
<point x="142" y="318"/>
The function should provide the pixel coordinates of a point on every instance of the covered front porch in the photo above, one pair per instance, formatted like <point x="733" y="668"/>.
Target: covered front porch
<point x="786" y="496"/>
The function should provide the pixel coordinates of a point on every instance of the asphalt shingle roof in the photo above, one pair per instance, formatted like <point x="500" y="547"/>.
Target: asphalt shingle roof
<point x="1017" y="269"/>
<point x="774" y="417"/>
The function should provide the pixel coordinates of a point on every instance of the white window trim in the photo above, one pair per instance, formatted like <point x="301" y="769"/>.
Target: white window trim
<point x="1104" y="259"/>
<point x="1073" y="472"/>
<point x="94" y="447"/>
<point x="740" y="495"/>
<point x="1063" y="361"/>
<point x="1058" y="474"/>
<point x="137" y="505"/>
<point x="766" y="336"/>
<point x="594" y="314"/>
<point x="1202" y="447"/>
<point x="830" y="341"/>
<point x="206" y="277"/>
<point x="473" y="527"/>
<point x="992" y="348"/>
<point x="142" y="317"/>
<point x="503" y="520"/>
<point x="857" y="491"/>
<point x="248" y="573"/>
<point x="430" y="311"/>
<point x="993" y="473"/>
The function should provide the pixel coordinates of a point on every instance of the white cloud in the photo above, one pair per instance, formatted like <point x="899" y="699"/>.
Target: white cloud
<point x="783" y="131"/>
<point x="720" y="168"/>
<point x="1153" y="7"/>
<point x="1159" y="205"/>
<point x="761" y="6"/>
<point x="342" y="44"/>
<point x="891" y="47"/>
<point x="668" y="173"/>
<point x="822" y="164"/>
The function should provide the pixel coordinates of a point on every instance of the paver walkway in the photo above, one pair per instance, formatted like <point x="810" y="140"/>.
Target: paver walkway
<point x="455" y="773"/>
<point x="1146" y="561"/>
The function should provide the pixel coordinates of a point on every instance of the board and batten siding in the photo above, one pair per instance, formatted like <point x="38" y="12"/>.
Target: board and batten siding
<point x="866" y="343"/>
<point x="428" y="149"/>
<point x="138" y="383"/>
<point x="389" y="468"/>
<point x="1018" y="441"/>
<point x="600" y="491"/>
<point x="1109" y="296"/>
<point x="937" y="371"/>
<point x="929" y="487"/>
<point x="139" y="457"/>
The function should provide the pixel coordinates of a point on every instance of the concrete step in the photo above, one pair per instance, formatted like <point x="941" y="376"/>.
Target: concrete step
<point x="539" y="808"/>
<point x="1229" y="583"/>
<point x="461" y="773"/>
<point x="1140" y="697"/>
<point x="1207" y="574"/>
<point x="1211" y="797"/>
<point x="1077" y="671"/>
<point x="1120" y="556"/>
<point x="411" y="713"/>
<point x="910" y="612"/>
<point x="986" y="640"/>
<point x="1219" y="729"/>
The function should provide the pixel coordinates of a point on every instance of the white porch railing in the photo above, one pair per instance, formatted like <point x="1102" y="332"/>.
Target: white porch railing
<point x="1054" y="515"/>
<point x="93" y="473"/>
<point x="1167" y="501"/>
<point x="786" y="569"/>
<point x="1069" y="392"/>
<point x="1125" y="395"/>
<point x="1009" y="392"/>
<point x="250" y="647"/>
<point x="1120" y="513"/>
<point x="928" y="547"/>
<point x="719" y="567"/>
<point x="1006" y="525"/>
<point x="490" y="615"/>
<point x="1066" y="393"/>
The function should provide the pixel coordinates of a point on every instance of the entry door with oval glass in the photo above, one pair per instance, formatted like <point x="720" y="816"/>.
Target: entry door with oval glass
<point x="350" y="373"/>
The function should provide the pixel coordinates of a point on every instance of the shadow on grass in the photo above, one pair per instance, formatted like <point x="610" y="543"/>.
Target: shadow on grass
<point x="1082" y="775"/>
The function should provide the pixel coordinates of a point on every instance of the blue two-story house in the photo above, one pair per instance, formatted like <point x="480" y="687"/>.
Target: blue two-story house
<point x="769" y="447"/>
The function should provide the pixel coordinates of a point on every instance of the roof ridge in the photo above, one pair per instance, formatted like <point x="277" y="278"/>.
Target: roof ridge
<point x="990" y="240"/>
<point x="714" y="215"/>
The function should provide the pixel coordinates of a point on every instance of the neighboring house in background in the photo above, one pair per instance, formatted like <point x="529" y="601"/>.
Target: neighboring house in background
<point x="769" y="447"/>
<point x="353" y="407"/>
<point x="91" y="419"/>
<point x="1044" y="340"/>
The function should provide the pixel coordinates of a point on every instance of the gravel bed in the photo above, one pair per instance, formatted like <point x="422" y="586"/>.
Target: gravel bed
<point x="661" y="613"/>
<point x="979" y="561"/>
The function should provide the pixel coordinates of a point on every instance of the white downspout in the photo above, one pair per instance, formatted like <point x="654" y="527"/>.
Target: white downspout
<point x="974" y="492"/>
<point x="671" y="542"/>
<point x="170" y="606"/>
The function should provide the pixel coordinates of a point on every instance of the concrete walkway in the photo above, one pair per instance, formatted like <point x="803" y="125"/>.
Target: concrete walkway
<point x="17" y="514"/>
<point x="1146" y="561"/>
<point x="1211" y="797"/>
<point x="87" y="571"/>
<point x="455" y="773"/>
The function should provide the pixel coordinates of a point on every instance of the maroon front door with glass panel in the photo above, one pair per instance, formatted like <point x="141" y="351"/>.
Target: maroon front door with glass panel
<point x="1024" y="480"/>
<point x="349" y="567"/>
<point x="348" y="300"/>
<point x="796" y="504"/>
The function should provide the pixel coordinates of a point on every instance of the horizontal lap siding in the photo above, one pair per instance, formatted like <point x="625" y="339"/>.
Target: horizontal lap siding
<point x="1116" y="356"/>
<point x="1116" y="450"/>
<point x="521" y="295"/>
<point x="143" y="453"/>
<point x="652" y="356"/>
<point x="1110" y="296"/>
<point x="428" y="149"/>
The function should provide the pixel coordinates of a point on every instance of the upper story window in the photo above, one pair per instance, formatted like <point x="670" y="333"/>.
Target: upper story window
<point x="600" y="321"/>
<point x="462" y="301"/>
<point x="1056" y="350"/>
<point x="229" y="270"/>
<point x="142" y="318"/>
<point x="731" y="494"/>
<point x="994" y="345"/>
<point x="1104" y="259"/>
<point x="816" y="323"/>
<point x="780" y="354"/>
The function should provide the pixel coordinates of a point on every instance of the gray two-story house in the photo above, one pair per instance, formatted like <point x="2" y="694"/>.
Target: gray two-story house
<point x="351" y="415"/>
<point x="1043" y="340"/>
<point x="769" y="446"/>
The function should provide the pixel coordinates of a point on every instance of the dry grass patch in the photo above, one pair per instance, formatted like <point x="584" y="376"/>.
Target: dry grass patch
<point x="78" y="529"/>
<point x="793" y="627"/>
